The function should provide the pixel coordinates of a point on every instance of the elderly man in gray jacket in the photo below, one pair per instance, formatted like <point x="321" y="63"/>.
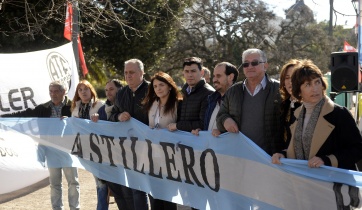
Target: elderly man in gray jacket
<point x="252" y="106"/>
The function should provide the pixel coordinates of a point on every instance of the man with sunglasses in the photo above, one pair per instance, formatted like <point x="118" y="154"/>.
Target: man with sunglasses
<point x="252" y="106"/>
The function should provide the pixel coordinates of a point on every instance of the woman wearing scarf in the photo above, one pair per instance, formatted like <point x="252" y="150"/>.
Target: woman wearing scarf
<point x="324" y="133"/>
<point x="84" y="105"/>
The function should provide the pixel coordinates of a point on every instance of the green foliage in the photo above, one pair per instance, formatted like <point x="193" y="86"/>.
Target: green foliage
<point x="31" y="28"/>
<point x="219" y="31"/>
<point x="154" y="21"/>
<point x="111" y="31"/>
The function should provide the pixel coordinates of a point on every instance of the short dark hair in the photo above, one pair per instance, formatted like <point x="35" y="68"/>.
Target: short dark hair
<point x="116" y="82"/>
<point x="193" y="60"/>
<point x="229" y="69"/>
<point x="306" y="70"/>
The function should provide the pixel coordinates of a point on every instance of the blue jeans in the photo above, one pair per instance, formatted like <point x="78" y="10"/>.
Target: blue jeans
<point x="55" y="179"/>
<point x="102" y="194"/>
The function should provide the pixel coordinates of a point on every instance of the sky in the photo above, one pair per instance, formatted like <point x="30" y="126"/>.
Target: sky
<point x="320" y="9"/>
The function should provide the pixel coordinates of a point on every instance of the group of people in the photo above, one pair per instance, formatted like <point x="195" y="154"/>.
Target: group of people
<point x="291" y="119"/>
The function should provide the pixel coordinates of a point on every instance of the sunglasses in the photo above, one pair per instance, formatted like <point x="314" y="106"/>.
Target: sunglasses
<point x="253" y="63"/>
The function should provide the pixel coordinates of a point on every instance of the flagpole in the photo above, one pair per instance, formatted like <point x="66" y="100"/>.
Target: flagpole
<point x="357" y="104"/>
<point x="75" y="32"/>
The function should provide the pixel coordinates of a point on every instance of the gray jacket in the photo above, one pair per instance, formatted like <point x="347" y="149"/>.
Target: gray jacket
<point x="231" y="108"/>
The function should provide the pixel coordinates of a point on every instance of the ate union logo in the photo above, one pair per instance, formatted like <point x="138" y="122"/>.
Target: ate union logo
<point x="59" y="68"/>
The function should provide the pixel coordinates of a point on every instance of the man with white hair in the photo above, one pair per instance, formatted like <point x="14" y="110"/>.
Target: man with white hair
<point x="57" y="107"/>
<point x="128" y="104"/>
<point x="253" y="105"/>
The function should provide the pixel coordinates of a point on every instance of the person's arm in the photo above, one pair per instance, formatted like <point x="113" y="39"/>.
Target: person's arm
<point x="102" y="115"/>
<point x="276" y="158"/>
<point x="348" y="141"/>
<point x="223" y="113"/>
<point x="117" y="108"/>
<point x="25" y="113"/>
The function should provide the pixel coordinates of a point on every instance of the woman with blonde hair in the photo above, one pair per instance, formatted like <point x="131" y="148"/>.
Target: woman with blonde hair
<point x="85" y="105"/>
<point x="85" y="101"/>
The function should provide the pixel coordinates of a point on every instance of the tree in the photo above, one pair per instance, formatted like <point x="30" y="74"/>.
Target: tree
<point x="219" y="30"/>
<point x="112" y="31"/>
<point x="155" y="30"/>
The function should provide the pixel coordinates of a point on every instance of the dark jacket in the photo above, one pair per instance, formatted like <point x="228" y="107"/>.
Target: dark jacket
<point x="287" y="118"/>
<point x="231" y="108"/>
<point x="211" y="104"/>
<point x="194" y="106"/>
<point x="102" y="112"/>
<point x="128" y="101"/>
<point x="336" y="138"/>
<point x="42" y="110"/>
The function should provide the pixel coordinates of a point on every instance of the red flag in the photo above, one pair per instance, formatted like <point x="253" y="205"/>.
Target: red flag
<point x="68" y="22"/>
<point x="81" y="58"/>
<point x="348" y="48"/>
<point x="68" y="35"/>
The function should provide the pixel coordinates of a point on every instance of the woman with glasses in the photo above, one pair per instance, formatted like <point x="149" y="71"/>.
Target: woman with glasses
<point x="324" y="133"/>
<point x="161" y="103"/>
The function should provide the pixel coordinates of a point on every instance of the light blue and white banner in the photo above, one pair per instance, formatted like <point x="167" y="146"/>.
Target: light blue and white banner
<point x="25" y="84"/>
<point x="206" y="172"/>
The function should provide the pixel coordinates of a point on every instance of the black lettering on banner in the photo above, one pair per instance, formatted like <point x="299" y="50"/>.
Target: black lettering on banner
<point x="121" y="141"/>
<point x="27" y="97"/>
<point x="353" y="193"/>
<point x="2" y="108"/>
<point x="95" y="148"/>
<point x="216" y="169"/>
<point x="2" y="152"/>
<point x="188" y="167"/>
<point x="133" y="146"/>
<point x="170" y="161"/>
<point x="77" y="147"/>
<point x="12" y="100"/>
<point x="7" y="152"/>
<point x="150" y="157"/>
<point x="108" y="140"/>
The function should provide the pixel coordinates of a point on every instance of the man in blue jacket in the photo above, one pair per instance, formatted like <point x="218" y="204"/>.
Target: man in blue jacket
<point x="224" y="76"/>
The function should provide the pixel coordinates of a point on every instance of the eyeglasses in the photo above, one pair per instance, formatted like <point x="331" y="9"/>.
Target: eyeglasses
<point x="253" y="63"/>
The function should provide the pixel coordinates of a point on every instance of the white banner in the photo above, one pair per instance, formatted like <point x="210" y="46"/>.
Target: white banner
<point x="26" y="76"/>
<point x="25" y="84"/>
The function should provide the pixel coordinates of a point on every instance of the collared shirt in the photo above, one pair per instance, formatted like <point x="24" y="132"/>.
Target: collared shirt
<point x="136" y="88"/>
<point x="57" y="110"/>
<point x="261" y="85"/>
<point x="189" y="89"/>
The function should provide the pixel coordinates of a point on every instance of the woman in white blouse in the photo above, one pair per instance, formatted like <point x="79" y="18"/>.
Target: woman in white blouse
<point x="162" y="101"/>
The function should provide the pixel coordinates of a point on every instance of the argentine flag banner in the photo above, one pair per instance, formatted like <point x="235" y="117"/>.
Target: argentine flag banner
<point x="226" y="172"/>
